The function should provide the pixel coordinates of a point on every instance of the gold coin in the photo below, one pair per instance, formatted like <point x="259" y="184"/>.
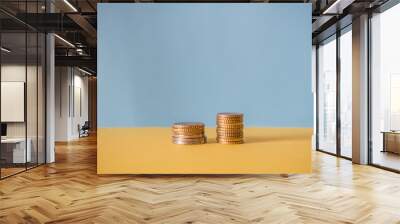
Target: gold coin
<point x="188" y="139"/>
<point x="189" y="142"/>
<point x="222" y="117"/>
<point x="229" y="138"/>
<point x="188" y="129"/>
<point x="230" y="142"/>
<point x="227" y="135"/>
<point x="184" y="132"/>
<point x="229" y="130"/>
<point x="230" y="119"/>
<point x="187" y="133"/>
<point x="221" y="142"/>
<point x="225" y="118"/>
<point x="186" y="125"/>
<point x="188" y="136"/>
<point x="230" y="134"/>
<point x="229" y="122"/>
<point x="229" y="114"/>
<point x="228" y="126"/>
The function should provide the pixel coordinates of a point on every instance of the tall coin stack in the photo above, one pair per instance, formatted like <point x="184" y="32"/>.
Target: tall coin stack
<point x="230" y="128"/>
<point x="188" y="133"/>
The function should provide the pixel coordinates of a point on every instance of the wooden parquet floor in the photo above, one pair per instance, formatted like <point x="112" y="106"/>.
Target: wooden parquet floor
<point x="69" y="191"/>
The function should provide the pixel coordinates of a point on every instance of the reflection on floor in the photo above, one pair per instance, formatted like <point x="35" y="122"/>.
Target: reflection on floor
<point x="70" y="191"/>
<point x="346" y="152"/>
<point x="12" y="169"/>
<point x="387" y="159"/>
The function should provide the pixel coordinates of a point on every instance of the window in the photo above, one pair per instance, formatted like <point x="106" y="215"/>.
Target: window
<point x="334" y="106"/>
<point x="327" y="95"/>
<point x="385" y="89"/>
<point x="22" y="77"/>
<point x="346" y="74"/>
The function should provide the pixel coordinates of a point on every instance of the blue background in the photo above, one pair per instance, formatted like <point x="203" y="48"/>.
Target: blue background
<point x="163" y="63"/>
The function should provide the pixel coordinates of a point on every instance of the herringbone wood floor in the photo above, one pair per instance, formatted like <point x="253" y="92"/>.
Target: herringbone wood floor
<point x="69" y="191"/>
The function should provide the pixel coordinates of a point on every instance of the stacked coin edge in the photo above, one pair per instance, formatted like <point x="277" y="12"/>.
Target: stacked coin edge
<point x="188" y="133"/>
<point x="230" y="128"/>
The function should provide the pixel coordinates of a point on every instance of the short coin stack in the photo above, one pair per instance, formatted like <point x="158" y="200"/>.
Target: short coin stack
<point x="188" y="133"/>
<point x="230" y="128"/>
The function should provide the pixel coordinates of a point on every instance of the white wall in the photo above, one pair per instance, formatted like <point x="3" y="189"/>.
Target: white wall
<point x="71" y="102"/>
<point x="80" y="110"/>
<point x="15" y="72"/>
<point x="33" y="127"/>
<point x="10" y="73"/>
<point x="62" y="81"/>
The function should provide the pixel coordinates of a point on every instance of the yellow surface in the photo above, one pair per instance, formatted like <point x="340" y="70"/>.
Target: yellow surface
<point x="150" y="151"/>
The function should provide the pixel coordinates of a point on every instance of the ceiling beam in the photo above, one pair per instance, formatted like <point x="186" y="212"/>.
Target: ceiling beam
<point x="86" y="26"/>
<point x="82" y="61"/>
<point x="337" y="7"/>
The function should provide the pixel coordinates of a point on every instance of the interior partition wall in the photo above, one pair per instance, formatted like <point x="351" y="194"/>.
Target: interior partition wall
<point x="22" y="89"/>
<point x="334" y="94"/>
<point x="385" y="89"/>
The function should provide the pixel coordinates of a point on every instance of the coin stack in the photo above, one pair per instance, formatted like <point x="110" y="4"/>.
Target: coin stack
<point x="230" y="128"/>
<point x="188" y="133"/>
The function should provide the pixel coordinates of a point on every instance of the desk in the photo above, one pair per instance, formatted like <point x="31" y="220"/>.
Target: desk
<point x="391" y="141"/>
<point x="13" y="150"/>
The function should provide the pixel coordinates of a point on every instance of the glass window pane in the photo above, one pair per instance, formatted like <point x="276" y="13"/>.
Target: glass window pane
<point x="385" y="93"/>
<point x="32" y="95"/>
<point x="346" y="94"/>
<point x="14" y="153"/>
<point x="22" y="90"/>
<point x="41" y="98"/>
<point x="327" y="96"/>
